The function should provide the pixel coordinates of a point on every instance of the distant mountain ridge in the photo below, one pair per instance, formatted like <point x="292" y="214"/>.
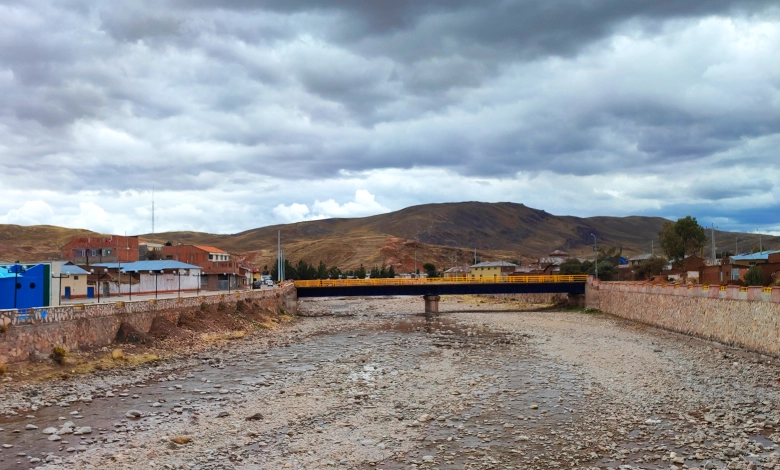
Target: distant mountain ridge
<point x="445" y="234"/>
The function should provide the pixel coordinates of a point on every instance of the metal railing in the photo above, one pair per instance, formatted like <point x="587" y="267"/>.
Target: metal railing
<point x="440" y="280"/>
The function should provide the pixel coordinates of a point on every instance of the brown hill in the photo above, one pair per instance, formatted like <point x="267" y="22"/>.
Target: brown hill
<point x="35" y="243"/>
<point x="445" y="234"/>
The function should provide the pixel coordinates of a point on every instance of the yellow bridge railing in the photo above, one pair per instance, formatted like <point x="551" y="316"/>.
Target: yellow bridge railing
<point x="442" y="280"/>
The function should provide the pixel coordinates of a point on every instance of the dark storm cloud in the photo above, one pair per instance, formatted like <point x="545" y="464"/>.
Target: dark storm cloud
<point x="189" y="94"/>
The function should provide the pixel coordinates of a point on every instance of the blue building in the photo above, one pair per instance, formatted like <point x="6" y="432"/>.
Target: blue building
<point x="24" y="286"/>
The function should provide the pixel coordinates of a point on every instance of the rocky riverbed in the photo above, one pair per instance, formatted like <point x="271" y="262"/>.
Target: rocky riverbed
<point x="367" y="383"/>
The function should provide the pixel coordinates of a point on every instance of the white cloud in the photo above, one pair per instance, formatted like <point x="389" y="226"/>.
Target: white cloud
<point x="364" y="204"/>
<point x="30" y="213"/>
<point x="293" y="213"/>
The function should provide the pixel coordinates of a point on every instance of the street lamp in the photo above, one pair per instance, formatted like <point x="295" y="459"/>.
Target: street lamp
<point x="596" y="250"/>
<point x="180" y="272"/>
<point x="97" y="282"/>
<point x="155" y="283"/>
<point x="60" y="276"/>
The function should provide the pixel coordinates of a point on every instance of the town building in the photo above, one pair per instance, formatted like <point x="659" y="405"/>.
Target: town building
<point x="25" y="285"/>
<point x="218" y="270"/>
<point x="492" y="269"/>
<point x="73" y="283"/>
<point x="85" y="251"/>
<point x="457" y="272"/>
<point x="145" y="277"/>
<point x="149" y="251"/>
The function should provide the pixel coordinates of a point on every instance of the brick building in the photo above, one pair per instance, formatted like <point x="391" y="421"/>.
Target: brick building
<point x="101" y="249"/>
<point x="218" y="270"/>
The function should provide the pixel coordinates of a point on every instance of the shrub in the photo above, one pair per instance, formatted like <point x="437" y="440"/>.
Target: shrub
<point x="754" y="276"/>
<point x="117" y="354"/>
<point x="58" y="354"/>
<point x="203" y="306"/>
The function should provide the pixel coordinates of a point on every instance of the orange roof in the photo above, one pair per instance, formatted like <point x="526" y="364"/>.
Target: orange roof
<point x="210" y="249"/>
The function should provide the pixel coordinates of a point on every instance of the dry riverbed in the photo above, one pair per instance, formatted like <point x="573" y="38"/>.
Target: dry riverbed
<point x="369" y="384"/>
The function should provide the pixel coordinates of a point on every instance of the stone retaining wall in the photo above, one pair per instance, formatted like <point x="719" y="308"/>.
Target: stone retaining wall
<point x="36" y="331"/>
<point x="530" y="298"/>
<point x="749" y="318"/>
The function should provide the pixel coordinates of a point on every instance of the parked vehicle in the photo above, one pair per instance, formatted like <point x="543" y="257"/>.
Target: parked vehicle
<point x="269" y="282"/>
<point x="256" y="284"/>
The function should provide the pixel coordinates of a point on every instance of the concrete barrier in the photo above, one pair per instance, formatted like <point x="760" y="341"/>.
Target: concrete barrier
<point x="749" y="318"/>
<point x="93" y="325"/>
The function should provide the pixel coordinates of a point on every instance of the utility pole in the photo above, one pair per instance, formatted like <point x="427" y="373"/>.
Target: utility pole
<point x="652" y="248"/>
<point x="475" y="255"/>
<point x="714" y="255"/>
<point x="760" y="246"/>
<point x="279" y="257"/>
<point x="415" y="262"/>
<point x="596" y="251"/>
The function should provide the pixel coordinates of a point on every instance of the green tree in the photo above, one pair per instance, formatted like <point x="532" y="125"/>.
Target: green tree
<point x="754" y="276"/>
<point x="430" y="270"/>
<point x="322" y="271"/>
<point x="681" y="238"/>
<point x="334" y="272"/>
<point x="375" y="274"/>
<point x="391" y="272"/>
<point x="571" y="266"/>
<point x="586" y="266"/>
<point x="650" y="267"/>
<point x="360" y="272"/>
<point x="607" y="270"/>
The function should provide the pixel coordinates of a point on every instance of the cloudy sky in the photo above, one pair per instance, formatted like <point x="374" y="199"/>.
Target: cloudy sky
<point x="239" y="113"/>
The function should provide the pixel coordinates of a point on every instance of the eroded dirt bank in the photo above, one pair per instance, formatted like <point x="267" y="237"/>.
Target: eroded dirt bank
<point x="376" y="386"/>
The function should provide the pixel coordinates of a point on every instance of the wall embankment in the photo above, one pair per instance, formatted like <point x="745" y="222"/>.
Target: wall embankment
<point x="542" y="299"/>
<point x="744" y="317"/>
<point x="35" y="331"/>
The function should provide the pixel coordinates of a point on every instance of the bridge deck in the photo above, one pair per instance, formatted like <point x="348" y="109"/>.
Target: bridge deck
<point x="568" y="284"/>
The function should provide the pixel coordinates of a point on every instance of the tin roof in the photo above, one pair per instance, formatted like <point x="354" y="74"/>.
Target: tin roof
<point x="210" y="249"/>
<point x="148" y="265"/>
<point x="459" y="269"/>
<point x="72" y="269"/>
<point x="493" y="264"/>
<point x="761" y="255"/>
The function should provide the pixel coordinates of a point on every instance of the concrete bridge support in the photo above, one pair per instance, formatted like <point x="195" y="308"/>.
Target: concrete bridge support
<point x="431" y="303"/>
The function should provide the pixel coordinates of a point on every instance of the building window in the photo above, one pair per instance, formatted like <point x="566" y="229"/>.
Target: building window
<point x="108" y="252"/>
<point x="94" y="252"/>
<point x="735" y="274"/>
<point x="76" y="278"/>
<point x="211" y="257"/>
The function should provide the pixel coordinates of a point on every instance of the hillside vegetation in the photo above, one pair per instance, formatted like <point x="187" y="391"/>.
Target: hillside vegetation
<point x="445" y="234"/>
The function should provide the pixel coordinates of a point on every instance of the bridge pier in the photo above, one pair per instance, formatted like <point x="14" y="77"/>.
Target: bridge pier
<point x="431" y="303"/>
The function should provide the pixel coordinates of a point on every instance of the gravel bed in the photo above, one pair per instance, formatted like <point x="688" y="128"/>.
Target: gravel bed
<point x="370" y="384"/>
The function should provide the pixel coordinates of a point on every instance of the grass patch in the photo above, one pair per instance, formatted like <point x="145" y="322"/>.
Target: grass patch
<point x="222" y="336"/>
<point x="58" y="354"/>
<point x="115" y="360"/>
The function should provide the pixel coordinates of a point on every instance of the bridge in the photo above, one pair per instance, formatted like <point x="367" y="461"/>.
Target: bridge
<point x="432" y="288"/>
